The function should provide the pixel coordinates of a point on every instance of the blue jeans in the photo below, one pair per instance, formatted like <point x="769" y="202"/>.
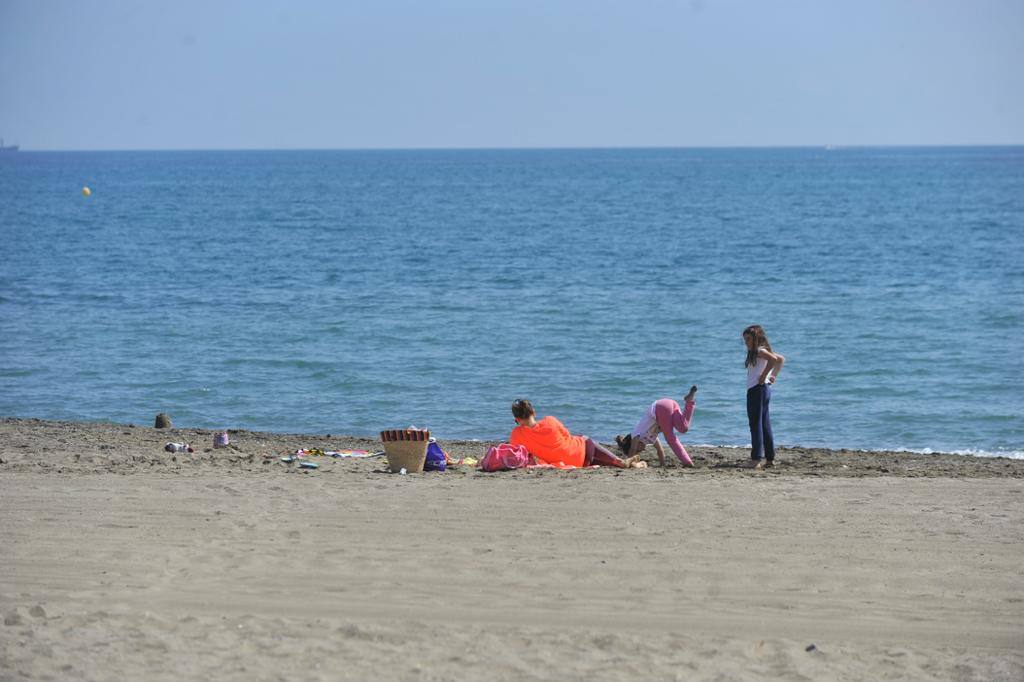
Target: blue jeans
<point x="761" y="442"/>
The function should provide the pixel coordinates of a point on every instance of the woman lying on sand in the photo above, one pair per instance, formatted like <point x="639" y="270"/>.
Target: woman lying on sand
<point x="662" y="417"/>
<point x="549" y="441"/>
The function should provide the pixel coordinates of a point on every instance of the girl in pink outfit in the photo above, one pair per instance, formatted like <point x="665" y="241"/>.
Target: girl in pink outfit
<point x="665" y="418"/>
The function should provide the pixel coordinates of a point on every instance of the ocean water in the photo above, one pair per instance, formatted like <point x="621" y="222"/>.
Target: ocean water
<point x="350" y="291"/>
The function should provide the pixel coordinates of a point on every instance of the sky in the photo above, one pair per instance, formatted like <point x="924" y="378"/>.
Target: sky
<point x="229" y="74"/>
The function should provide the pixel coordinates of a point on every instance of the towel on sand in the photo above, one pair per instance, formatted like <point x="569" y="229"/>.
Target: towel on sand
<point x="316" y="452"/>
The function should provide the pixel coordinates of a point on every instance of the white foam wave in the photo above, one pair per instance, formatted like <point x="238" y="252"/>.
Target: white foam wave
<point x="967" y="452"/>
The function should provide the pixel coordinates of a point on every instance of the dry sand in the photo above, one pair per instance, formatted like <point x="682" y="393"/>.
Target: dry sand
<point x="120" y="561"/>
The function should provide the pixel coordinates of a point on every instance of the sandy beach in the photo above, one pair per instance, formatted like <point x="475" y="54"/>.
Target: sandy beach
<point x="121" y="561"/>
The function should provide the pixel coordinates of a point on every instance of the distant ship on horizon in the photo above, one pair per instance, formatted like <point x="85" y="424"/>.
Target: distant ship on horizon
<point x="12" y="148"/>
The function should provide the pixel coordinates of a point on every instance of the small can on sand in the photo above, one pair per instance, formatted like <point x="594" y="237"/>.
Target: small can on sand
<point x="179" y="447"/>
<point x="221" y="440"/>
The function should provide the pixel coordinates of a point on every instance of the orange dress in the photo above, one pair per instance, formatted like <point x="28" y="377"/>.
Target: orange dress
<point x="550" y="442"/>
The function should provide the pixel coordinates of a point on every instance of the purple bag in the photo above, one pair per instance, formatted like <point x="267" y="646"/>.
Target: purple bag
<point x="436" y="459"/>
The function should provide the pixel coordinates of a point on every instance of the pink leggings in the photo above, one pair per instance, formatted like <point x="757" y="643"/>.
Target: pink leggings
<point x="671" y="419"/>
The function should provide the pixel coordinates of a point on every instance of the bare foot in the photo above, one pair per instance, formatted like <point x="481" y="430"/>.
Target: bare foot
<point x="688" y="398"/>
<point x="753" y="464"/>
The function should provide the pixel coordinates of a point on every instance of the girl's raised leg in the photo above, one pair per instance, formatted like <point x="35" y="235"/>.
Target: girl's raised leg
<point x="681" y="420"/>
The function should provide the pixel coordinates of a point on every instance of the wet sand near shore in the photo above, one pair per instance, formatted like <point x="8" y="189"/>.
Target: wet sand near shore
<point x="121" y="561"/>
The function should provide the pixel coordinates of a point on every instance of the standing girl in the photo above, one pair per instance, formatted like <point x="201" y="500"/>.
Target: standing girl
<point x="763" y="367"/>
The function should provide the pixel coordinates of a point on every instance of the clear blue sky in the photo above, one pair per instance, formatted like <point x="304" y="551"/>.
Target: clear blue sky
<point x="385" y="73"/>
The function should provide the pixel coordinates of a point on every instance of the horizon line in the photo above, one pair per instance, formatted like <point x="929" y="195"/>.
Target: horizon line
<point x="829" y="147"/>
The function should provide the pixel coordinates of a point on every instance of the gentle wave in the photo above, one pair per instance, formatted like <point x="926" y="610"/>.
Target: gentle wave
<point x="967" y="452"/>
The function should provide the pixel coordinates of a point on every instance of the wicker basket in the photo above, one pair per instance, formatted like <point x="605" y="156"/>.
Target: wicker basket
<point x="406" y="449"/>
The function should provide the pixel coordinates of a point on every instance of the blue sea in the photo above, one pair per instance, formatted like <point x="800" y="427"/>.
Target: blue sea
<point x="350" y="291"/>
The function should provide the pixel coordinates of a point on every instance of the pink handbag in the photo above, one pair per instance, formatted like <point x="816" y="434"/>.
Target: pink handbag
<point x="505" y="456"/>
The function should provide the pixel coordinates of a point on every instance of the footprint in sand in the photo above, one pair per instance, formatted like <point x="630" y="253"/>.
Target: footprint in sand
<point x="14" y="617"/>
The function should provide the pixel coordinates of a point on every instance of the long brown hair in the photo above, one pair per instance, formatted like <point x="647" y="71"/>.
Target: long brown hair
<point x="625" y="443"/>
<point x="760" y="340"/>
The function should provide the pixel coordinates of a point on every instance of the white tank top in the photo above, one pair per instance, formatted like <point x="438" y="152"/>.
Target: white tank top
<point x="754" y="371"/>
<point x="647" y="428"/>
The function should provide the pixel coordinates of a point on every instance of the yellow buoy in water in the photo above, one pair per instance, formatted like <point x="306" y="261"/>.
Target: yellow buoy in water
<point x="86" y="191"/>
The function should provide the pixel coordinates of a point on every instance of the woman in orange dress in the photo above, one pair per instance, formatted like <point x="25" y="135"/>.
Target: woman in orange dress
<point x="549" y="441"/>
